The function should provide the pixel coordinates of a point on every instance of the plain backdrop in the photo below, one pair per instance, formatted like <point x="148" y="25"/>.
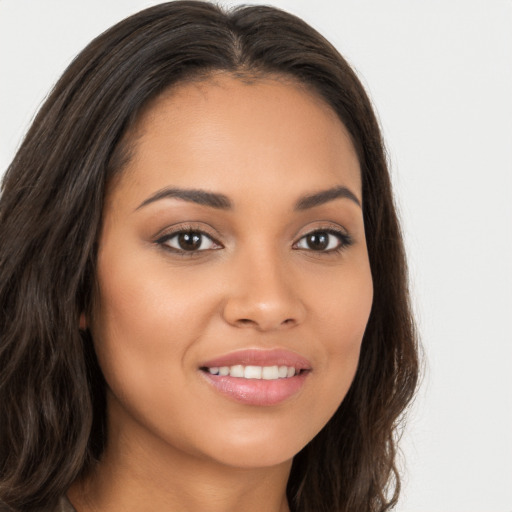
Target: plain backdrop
<point x="440" y="76"/>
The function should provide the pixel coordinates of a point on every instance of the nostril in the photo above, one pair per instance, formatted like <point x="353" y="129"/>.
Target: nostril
<point x="247" y="322"/>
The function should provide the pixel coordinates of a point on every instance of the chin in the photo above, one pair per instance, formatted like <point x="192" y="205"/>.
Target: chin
<point x="249" y="458"/>
<point x="247" y="452"/>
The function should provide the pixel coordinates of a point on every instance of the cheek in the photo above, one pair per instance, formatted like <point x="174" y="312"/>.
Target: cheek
<point x="145" y="326"/>
<point x="344" y="307"/>
<point x="142" y="331"/>
<point x="145" y="309"/>
<point x="130" y="326"/>
<point x="343" y="304"/>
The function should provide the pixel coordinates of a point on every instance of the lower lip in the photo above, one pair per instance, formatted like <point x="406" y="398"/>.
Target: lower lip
<point x="257" y="391"/>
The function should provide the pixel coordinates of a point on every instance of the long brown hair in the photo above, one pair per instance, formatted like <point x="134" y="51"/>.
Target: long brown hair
<point x="51" y="388"/>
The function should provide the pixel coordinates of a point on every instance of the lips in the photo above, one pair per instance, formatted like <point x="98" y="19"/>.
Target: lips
<point x="257" y="377"/>
<point x="260" y="357"/>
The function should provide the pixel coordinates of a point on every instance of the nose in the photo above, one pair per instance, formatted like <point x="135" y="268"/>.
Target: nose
<point x="262" y="294"/>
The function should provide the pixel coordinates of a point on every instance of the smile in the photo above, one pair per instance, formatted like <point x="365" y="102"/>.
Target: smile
<point x="257" y="377"/>
<point x="254" y="372"/>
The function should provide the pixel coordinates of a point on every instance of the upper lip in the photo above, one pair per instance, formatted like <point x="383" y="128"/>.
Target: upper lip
<point x="260" y="357"/>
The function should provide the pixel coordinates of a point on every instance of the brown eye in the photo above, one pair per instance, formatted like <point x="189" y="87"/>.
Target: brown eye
<point x="324" y="241"/>
<point x="188" y="241"/>
<point x="318" y="241"/>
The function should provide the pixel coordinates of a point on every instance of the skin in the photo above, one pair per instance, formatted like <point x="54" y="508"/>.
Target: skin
<point x="174" y="442"/>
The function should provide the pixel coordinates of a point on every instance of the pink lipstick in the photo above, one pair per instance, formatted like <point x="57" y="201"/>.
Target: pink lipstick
<point x="257" y="377"/>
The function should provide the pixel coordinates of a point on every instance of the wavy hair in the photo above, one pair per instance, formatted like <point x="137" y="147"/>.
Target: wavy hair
<point x="52" y="394"/>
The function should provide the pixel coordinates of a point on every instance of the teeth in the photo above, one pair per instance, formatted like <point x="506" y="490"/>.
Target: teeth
<point x="236" y="371"/>
<point x="224" y="370"/>
<point x="270" y="373"/>
<point x="254" y="372"/>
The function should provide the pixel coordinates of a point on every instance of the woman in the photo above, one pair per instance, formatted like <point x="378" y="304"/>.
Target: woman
<point x="203" y="287"/>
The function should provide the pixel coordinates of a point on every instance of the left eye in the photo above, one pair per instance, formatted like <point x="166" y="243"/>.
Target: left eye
<point x="188" y="241"/>
<point x="324" y="241"/>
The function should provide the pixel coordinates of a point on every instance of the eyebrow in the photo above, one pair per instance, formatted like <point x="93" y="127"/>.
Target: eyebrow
<point x="211" y="199"/>
<point x="222" y="202"/>
<point x="319" y="198"/>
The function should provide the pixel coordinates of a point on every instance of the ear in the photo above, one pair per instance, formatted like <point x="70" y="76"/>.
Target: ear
<point x="82" y="324"/>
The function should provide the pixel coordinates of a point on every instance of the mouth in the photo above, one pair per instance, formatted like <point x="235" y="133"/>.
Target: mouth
<point x="257" y="377"/>
<point x="255" y="372"/>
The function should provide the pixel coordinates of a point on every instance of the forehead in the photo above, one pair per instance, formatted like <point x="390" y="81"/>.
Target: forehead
<point x="226" y="132"/>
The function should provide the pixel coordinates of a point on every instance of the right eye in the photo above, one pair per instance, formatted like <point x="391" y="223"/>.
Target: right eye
<point x="188" y="241"/>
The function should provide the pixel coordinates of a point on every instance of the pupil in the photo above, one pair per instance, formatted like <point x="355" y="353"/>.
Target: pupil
<point x="318" y="241"/>
<point x="189" y="241"/>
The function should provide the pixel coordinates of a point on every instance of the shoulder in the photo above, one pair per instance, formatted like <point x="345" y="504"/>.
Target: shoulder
<point x="64" y="505"/>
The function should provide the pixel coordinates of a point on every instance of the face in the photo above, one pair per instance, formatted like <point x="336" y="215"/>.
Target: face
<point x="234" y="283"/>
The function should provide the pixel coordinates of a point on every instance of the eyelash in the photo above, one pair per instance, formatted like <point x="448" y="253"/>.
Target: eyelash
<point x="186" y="230"/>
<point x="344" y="241"/>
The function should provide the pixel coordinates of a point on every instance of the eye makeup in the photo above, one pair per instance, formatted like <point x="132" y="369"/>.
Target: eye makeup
<point x="191" y="239"/>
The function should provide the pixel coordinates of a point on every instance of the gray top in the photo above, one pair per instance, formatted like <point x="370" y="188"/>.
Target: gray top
<point x="64" y="505"/>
